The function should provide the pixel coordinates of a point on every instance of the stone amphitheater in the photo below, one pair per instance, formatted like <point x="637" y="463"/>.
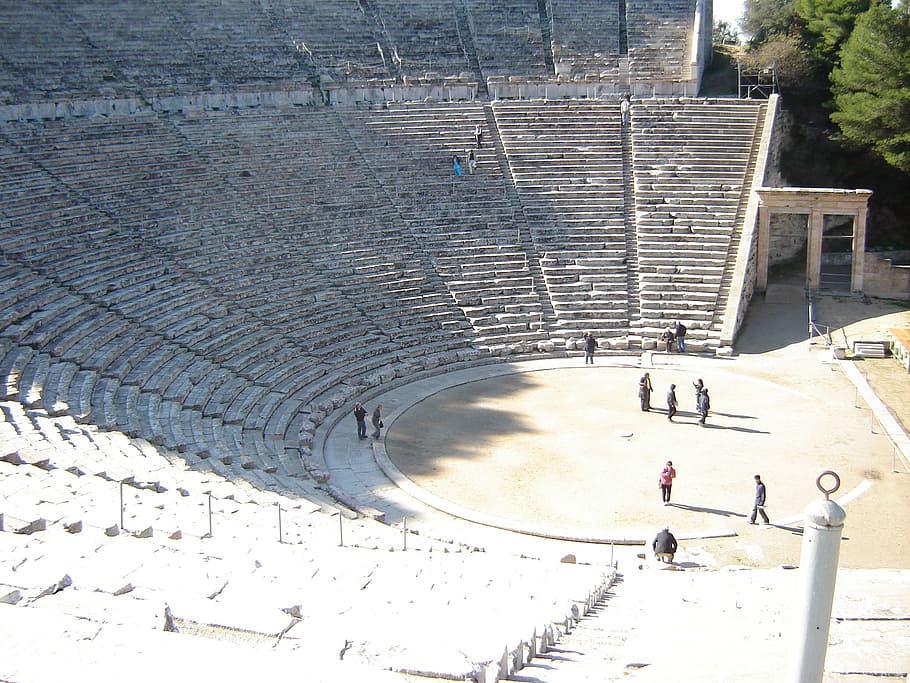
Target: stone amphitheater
<point x="225" y="222"/>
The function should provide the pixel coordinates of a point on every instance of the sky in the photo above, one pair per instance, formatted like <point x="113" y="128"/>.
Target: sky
<point x="729" y="11"/>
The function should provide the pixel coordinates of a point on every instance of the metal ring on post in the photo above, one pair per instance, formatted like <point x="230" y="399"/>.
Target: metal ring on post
<point x="828" y="492"/>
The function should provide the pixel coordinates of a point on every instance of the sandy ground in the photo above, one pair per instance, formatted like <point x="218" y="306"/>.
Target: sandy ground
<point x="570" y="448"/>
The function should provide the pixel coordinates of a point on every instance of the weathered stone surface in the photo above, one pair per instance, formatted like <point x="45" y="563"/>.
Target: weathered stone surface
<point x="148" y="532"/>
<point x="405" y="370"/>
<point x="74" y="527"/>
<point x="113" y="530"/>
<point x="570" y="343"/>
<point x="546" y="346"/>
<point x="319" y="476"/>
<point x="33" y="527"/>
<point x="568" y="559"/>
<point x="11" y="598"/>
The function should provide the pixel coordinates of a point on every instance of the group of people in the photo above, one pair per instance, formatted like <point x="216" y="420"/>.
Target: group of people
<point x="674" y="334"/>
<point x="471" y="159"/>
<point x="702" y="398"/>
<point x="360" y="415"/>
<point x="665" y="545"/>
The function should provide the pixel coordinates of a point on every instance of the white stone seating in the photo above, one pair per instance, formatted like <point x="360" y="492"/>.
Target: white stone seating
<point x="410" y="149"/>
<point x="508" y="37"/>
<point x="690" y="159"/>
<point x="585" y="37"/>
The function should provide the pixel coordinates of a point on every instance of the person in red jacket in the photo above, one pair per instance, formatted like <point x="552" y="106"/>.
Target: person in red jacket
<point x="667" y="475"/>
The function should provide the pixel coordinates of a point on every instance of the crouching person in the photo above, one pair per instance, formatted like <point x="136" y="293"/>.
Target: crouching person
<point x="664" y="545"/>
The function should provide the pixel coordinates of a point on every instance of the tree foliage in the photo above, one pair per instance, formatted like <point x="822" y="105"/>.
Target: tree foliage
<point x="724" y="33"/>
<point x="828" y="23"/>
<point x="871" y="86"/>
<point x="764" y="19"/>
<point x="795" y="70"/>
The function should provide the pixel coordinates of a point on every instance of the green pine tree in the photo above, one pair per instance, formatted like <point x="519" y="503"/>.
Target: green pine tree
<point x="828" y="23"/>
<point x="871" y="86"/>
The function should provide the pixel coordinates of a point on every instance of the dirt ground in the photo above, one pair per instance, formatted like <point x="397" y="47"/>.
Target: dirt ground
<point x="569" y="448"/>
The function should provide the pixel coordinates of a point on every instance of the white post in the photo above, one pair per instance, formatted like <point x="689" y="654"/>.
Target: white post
<point x="824" y="524"/>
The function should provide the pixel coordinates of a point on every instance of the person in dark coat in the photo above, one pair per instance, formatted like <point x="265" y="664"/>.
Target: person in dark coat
<point x="664" y="545"/>
<point x="671" y="402"/>
<point x="758" y="508"/>
<point x="590" y="345"/>
<point x="360" y="414"/>
<point x="644" y="391"/>
<point x="699" y="385"/>
<point x="377" y="420"/>
<point x="680" y="333"/>
<point x="704" y="405"/>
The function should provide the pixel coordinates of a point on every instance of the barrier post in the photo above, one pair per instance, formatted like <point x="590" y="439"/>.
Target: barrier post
<point x="280" y="537"/>
<point x="822" y="530"/>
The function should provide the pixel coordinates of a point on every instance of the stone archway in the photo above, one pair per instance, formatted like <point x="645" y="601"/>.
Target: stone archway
<point x="816" y="204"/>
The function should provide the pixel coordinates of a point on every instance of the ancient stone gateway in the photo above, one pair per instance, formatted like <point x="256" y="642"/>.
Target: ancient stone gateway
<point x="816" y="203"/>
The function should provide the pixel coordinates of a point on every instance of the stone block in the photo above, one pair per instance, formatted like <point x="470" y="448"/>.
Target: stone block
<point x="148" y="532"/>
<point x="546" y="346"/>
<point x="318" y="475"/>
<point x="11" y="598"/>
<point x="32" y="527"/>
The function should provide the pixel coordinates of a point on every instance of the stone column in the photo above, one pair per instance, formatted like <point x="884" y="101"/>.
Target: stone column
<point x="859" y="249"/>
<point x="762" y="247"/>
<point x="814" y="249"/>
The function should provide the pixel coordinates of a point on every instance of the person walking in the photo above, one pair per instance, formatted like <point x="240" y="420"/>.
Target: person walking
<point x="360" y="414"/>
<point x="644" y="391"/>
<point x="680" y="333"/>
<point x="758" y="507"/>
<point x="456" y="166"/>
<point x="667" y="475"/>
<point x="377" y="420"/>
<point x="624" y="105"/>
<point x="478" y="135"/>
<point x="664" y="545"/>
<point x="671" y="402"/>
<point x="704" y="405"/>
<point x="590" y="345"/>
<point x="472" y="162"/>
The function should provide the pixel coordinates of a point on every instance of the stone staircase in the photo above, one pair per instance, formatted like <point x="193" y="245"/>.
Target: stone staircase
<point x="466" y="37"/>
<point x="632" y="282"/>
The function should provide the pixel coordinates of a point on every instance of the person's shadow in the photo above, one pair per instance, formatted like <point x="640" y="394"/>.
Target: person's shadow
<point x="710" y="511"/>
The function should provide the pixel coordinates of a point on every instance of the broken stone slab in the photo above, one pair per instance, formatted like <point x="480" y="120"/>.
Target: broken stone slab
<point x="12" y="597"/>
<point x="32" y="527"/>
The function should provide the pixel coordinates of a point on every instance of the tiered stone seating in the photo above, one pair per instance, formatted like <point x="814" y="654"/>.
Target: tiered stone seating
<point x="425" y="36"/>
<point x="464" y="224"/>
<point x="82" y="48"/>
<point x="144" y="320"/>
<point x="567" y="164"/>
<point x="691" y="158"/>
<point x="659" y="35"/>
<point x="508" y="38"/>
<point x="103" y="526"/>
<point x="337" y="37"/>
<point x="585" y="37"/>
